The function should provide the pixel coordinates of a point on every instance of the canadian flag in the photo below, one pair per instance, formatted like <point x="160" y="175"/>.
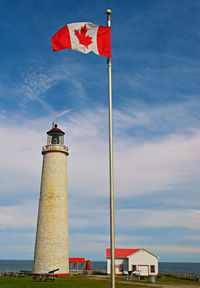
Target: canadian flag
<point x="84" y="37"/>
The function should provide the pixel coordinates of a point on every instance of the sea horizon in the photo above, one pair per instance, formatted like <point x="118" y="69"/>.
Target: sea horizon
<point x="104" y="260"/>
<point x="17" y="265"/>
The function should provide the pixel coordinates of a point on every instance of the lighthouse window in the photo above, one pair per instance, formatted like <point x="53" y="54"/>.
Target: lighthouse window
<point x="55" y="139"/>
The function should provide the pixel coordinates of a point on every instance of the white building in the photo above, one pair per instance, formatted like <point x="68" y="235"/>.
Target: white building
<point x="140" y="261"/>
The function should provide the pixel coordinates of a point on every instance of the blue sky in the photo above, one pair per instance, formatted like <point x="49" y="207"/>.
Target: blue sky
<point x="156" y="122"/>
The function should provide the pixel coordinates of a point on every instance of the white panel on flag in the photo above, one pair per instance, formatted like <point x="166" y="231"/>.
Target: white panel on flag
<point x="91" y="36"/>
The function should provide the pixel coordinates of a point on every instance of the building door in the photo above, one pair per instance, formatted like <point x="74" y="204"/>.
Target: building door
<point x="144" y="270"/>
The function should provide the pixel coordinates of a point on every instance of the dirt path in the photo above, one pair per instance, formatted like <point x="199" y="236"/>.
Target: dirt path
<point x="158" y="285"/>
<point x="150" y="285"/>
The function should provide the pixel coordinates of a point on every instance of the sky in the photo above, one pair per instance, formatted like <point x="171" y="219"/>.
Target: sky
<point x="156" y="125"/>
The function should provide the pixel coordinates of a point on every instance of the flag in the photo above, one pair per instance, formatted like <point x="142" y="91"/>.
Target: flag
<point x="84" y="37"/>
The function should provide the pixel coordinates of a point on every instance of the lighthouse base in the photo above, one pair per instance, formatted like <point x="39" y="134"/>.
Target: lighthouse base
<point x="62" y="275"/>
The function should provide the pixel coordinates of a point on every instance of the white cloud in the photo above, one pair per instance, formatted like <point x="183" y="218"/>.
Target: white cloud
<point x="19" y="216"/>
<point x="175" y="249"/>
<point x="95" y="245"/>
<point x="158" y="165"/>
<point x="142" y="218"/>
<point x="87" y="245"/>
<point x="20" y="168"/>
<point x="187" y="218"/>
<point x="140" y="167"/>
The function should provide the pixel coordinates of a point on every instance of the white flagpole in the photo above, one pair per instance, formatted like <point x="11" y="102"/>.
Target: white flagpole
<point x="112" y="222"/>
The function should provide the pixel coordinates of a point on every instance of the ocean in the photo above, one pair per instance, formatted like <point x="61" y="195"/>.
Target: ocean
<point x="27" y="265"/>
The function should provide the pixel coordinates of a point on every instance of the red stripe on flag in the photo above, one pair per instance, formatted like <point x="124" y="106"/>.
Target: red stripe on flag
<point x="61" y="40"/>
<point x="104" y="41"/>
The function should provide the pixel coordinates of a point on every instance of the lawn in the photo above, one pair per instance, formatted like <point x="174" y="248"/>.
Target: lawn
<point x="87" y="282"/>
<point x="61" y="282"/>
<point x="174" y="281"/>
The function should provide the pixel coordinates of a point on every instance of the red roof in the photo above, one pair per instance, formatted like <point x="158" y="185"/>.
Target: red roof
<point x="77" y="260"/>
<point x="55" y="129"/>
<point x="121" y="253"/>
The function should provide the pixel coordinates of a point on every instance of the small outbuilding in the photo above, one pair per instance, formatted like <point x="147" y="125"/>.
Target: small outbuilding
<point x="77" y="265"/>
<point x="135" y="261"/>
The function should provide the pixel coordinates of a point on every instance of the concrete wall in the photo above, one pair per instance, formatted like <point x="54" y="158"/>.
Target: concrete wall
<point x="51" y="248"/>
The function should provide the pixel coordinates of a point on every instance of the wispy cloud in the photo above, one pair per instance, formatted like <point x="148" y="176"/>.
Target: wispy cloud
<point x="175" y="118"/>
<point x="62" y="113"/>
<point x="37" y="81"/>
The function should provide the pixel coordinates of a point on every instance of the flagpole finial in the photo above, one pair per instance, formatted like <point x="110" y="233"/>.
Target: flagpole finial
<point x="108" y="12"/>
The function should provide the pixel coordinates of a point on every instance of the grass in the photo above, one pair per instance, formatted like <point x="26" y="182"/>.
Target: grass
<point x="86" y="282"/>
<point x="61" y="282"/>
<point x="174" y="281"/>
<point x="167" y="280"/>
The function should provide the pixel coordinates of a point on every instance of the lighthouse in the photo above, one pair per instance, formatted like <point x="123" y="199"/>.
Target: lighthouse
<point x="51" y="245"/>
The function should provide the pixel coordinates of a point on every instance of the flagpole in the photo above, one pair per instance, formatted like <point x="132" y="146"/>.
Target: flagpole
<point x="112" y="222"/>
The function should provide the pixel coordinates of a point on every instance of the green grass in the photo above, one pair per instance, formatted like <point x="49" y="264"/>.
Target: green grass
<point x="175" y="281"/>
<point x="60" y="282"/>
<point x="86" y="282"/>
<point x="167" y="281"/>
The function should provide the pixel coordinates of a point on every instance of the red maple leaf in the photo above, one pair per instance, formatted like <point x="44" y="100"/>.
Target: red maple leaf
<point x="83" y="39"/>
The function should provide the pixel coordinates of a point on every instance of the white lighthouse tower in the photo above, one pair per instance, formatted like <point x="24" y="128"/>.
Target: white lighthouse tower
<point x="51" y="246"/>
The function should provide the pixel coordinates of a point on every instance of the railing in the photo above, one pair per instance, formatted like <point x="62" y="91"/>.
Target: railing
<point x="77" y="271"/>
<point x="180" y="275"/>
<point x="54" y="147"/>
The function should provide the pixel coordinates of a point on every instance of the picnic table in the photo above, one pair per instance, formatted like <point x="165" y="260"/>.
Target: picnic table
<point x="45" y="276"/>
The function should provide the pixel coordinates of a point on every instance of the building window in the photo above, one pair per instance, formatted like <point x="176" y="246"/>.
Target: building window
<point x="121" y="268"/>
<point x="134" y="268"/>
<point x="152" y="268"/>
<point x="75" y="266"/>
